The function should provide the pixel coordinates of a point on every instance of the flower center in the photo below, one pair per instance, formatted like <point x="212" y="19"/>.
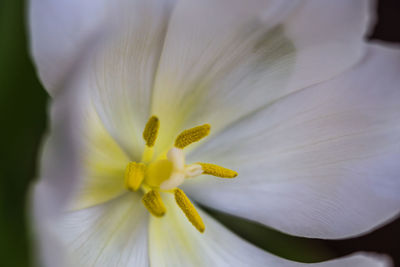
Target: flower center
<point x="165" y="173"/>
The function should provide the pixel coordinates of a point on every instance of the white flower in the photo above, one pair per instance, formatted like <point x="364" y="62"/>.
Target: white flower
<point x="299" y="106"/>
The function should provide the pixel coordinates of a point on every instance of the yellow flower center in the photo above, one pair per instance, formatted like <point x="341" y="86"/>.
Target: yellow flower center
<point x="166" y="173"/>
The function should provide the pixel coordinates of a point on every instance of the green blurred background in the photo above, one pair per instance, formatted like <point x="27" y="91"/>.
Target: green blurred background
<point x="23" y="118"/>
<point x="23" y="104"/>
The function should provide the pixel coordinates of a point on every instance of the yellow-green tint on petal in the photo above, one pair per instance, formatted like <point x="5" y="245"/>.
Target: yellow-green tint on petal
<point x="104" y="165"/>
<point x="154" y="204"/>
<point x="217" y="171"/>
<point x="192" y="135"/>
<point x="134" y="175"/>
<point x="158" y="172"/>
<point x="151" y="130"/>
<point x="189" y="210"/>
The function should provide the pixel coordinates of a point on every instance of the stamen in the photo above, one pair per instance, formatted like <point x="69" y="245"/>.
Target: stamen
<point x="218" y="171"/>
<point x="192" y="135"/>
<point x="187" y="207"/>
<point x="151" y="130"/>
<point x="154" y="204"/>
<point x="134" y="175"/>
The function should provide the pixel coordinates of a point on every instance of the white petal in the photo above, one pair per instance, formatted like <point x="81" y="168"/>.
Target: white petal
<point x="225" y="59"/>
<point x="328" y="36"/>
<point x="64" y="31"/>
<point x="121" y="72"/>
<point x="111" y="234"/>
<point x="103" y="235"/>
<point x="79" y="160"/>
<point x="103" y="164"/>
<point x="358" y="260"/>
<point x="114" y="84"/>
<point x="175" y="242"/>
<point x="319" y="163"/>
<point x="100" y="160"/>
<point x="118" y="76"/>
<point x="61" y="160"/>
<point x="59" y="170"/>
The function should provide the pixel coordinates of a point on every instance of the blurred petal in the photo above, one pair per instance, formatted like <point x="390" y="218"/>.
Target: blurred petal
<point x="225" y="59"/>
<point x="59" y="170"/>
<point x="357" y="260"/>
<point x="100" y="159"/>
<point x="175" y="242"/>
<point x="63" y="31"/>
<point x="60" y="32"/>
<point x="111" y="234"/>
<point x="329" y="37"/>
<point x="319" y="163"/>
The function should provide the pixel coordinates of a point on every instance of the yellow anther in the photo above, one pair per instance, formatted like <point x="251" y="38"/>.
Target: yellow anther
<point x="134" y="175"/>
<point x="192" y="135"/>
<point x="151" y="130"/>
<point x="187" y="207"/>
<point x="154" y="204"/>
<point x="216" y="170"/>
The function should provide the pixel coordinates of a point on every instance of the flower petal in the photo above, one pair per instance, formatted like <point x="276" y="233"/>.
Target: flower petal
<point x="205" y="64"/>
<point x="111" y="234"/>
<point x="329" y="37"/>
<point x="319" y="163"/>
<point x="115" y="82"/>
<point x="103" y="164"/>
<point x="175" y="242"/>
<point x="60" y="31"/>
<point x="64" y="31"/>
<point x="225" y="59"/>
<point x="357" y="260"/>
<point x="79" y="160"/>
<point x="60" y="167"/>
<point x="122" y="69"/>
<point x="100" y="160"/>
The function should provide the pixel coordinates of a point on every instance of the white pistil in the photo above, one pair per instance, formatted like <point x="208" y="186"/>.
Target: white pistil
<point x="175" y="180"/>
<point x="193" y="170"/>
<point x="180" y="171"/>
<point x="177" y="157"/>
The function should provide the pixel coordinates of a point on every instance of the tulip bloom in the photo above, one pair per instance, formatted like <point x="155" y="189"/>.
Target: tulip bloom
<point x="275" y="111"/>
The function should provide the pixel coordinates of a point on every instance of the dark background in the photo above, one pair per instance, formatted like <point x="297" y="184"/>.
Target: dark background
<point x="23" y="104"/>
